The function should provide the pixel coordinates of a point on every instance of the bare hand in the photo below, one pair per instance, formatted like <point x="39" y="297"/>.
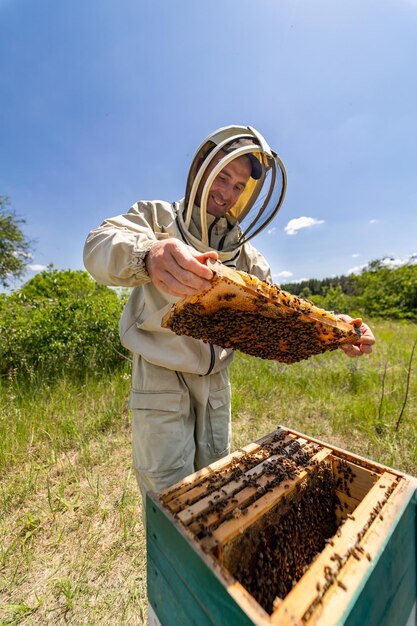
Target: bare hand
<point x="365" y="341"/>
<point x="177" y="268"/>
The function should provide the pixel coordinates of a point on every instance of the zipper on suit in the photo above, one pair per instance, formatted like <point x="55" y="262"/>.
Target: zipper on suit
<point x="212" y="360"/>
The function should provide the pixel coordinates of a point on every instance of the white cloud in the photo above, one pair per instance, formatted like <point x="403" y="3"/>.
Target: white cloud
<point x="392" y="263"/>
<point x="36" y="267"/>
<point x="283" y="274"/>
<point x="355" y="255"/>
<point x="373" y="221"/>
<point x="271" y="230"/>
<point x="389" y="262"/>
<point x="18" y="254"/>
<point x="357" y="269"/>
<point x="298" y="223"/>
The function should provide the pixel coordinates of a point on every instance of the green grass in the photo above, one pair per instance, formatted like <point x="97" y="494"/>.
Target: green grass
<point x="42" y="419"/>
<point x="354" y="403"/>
<point x="72" y="546"/>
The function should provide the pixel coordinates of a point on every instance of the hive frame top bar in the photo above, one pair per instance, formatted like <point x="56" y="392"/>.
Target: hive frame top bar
<point x="342" y="453"/>
<point x="182" y="485"/>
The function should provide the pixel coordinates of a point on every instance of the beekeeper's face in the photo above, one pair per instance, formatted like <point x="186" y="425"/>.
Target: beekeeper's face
<point x="227" y="186"/>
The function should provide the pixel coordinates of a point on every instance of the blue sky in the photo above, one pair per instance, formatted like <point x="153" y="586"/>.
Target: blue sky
<point x="104" y="103"/>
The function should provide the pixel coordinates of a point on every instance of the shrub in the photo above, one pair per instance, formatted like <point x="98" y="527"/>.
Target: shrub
<point x="60" y="321"/>
<point x="379" y="291"/>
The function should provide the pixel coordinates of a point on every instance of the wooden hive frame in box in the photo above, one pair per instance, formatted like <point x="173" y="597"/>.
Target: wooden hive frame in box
<point x="285" y="531"/>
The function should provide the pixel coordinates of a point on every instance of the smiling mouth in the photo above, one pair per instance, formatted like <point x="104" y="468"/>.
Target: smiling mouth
<point x="220" y="203"/>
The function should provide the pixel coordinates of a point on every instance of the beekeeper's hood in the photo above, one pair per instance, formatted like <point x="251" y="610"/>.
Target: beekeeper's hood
<point x="256" y="206"/>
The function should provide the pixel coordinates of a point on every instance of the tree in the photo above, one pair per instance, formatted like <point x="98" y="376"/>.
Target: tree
<point x="14" y="247"/>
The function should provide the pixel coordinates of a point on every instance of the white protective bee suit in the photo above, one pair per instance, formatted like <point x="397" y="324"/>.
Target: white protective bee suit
<point x="180" y="398"/>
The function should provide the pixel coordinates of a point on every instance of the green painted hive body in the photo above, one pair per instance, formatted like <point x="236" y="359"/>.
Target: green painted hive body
<point x="287" y="530"/>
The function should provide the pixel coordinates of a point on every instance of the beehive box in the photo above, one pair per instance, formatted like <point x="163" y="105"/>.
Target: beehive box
<point x="285" y="531"/>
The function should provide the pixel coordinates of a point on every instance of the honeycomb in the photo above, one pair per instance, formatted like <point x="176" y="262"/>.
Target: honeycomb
<point x="243" y="313"/>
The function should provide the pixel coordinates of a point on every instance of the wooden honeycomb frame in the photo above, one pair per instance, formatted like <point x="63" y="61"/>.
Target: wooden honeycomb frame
<point x="375" y="543"/>
<point x="241" y="312"/>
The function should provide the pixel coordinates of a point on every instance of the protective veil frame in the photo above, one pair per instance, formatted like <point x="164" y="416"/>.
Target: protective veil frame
<point x="215" y="144"/>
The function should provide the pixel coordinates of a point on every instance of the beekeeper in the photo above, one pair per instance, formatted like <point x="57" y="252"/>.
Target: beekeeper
<point x="180" y="398"/>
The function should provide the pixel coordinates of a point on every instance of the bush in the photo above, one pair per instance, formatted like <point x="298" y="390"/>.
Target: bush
<point x="389" y="293"/>
<point x="337" y="301"/>
<point x="60" y="321"/>
<point x="379" y="291"/>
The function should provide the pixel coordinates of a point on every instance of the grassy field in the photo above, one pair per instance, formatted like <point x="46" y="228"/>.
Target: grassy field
<point x="72" y="547"/>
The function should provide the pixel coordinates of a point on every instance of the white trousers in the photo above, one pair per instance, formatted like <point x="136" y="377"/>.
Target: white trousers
<point x="180" y="423"/>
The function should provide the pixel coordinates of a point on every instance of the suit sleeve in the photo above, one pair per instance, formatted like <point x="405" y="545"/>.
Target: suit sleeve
<point x="253" y="262"/>
<point x="114" y="253"/>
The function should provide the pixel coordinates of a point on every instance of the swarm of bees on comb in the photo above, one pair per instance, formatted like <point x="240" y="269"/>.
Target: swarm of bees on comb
<point x="241" y="312"/>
